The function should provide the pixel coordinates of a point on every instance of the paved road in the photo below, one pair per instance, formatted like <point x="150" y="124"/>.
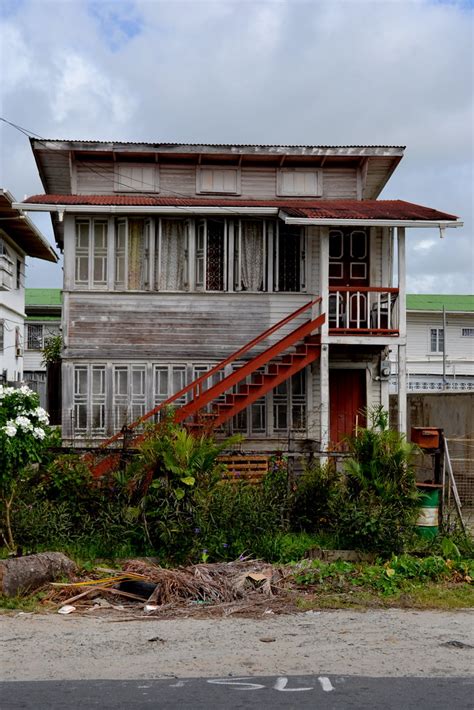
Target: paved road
<point x="301" y="692"/>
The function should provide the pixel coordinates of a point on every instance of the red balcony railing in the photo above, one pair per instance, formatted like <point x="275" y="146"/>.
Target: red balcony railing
<point x="365" y="310"/>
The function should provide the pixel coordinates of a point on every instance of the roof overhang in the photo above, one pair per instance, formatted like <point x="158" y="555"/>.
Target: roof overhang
<point x="304" y="212"/>
<point x="21" y="230"/>
<point x="334" y="222"/>
<point x="55" y="159"/>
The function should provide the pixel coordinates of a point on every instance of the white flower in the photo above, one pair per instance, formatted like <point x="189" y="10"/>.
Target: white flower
<point x="4" y="391"/>
<point x="26" y="390"/>
<point x="41" y="415"/>
<point x="9" y="429"/>
<point x="39" y="433"/>
<point x="23" y="423"/>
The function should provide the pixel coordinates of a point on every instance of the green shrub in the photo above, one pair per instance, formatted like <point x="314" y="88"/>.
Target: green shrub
<point x="316" y="495"/>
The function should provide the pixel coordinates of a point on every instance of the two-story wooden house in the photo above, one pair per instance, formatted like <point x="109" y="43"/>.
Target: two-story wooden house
<point x="249" y="286"/>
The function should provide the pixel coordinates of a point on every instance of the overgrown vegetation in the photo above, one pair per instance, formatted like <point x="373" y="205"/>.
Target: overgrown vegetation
<point x="170" y="502"/>
<point x="24" y="434"/>
<point x="52" y="350"/>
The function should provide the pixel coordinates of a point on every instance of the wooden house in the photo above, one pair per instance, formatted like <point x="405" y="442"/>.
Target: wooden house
<point x="249" y="286"/>
<point x="19" y="238"/>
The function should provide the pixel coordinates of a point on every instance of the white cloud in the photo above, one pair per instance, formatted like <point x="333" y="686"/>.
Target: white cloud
<point x="80" y="89"/>
<point x="353" y="71"/>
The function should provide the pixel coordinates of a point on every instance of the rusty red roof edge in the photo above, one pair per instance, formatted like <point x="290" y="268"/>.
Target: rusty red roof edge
<point x="304" y="208"/>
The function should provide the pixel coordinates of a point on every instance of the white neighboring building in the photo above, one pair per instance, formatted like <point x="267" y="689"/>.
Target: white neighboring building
<point x="432" y="340"/>
<point x="18" y="238"/>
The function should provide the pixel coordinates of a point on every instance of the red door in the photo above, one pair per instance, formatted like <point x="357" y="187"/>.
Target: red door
<point x="348" y="266"/>
<point x="347" y="402"/>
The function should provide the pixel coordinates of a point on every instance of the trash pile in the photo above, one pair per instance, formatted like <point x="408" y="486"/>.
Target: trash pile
<point x="144" y="589"/>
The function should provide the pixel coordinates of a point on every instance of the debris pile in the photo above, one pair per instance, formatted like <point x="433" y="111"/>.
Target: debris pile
<point x="246" y="587"/>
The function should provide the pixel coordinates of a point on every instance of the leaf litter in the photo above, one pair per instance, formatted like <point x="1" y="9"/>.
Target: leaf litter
<point x="146" y="590"/>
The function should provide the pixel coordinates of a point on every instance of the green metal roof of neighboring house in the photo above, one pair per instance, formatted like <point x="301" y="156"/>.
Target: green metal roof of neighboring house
<point x="43" y="297"/>
<point x="434" y="302"/>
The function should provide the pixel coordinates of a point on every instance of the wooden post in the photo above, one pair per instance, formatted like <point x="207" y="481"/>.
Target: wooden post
<point x="402" y="347"/>
<point x="324" y="395"/>
<point x="324" y="358"/>
<point x="323" y="280"/>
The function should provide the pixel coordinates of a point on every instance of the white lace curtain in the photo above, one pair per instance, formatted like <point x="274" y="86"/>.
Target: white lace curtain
<point x="173" y="255"/>
<point x="252" y="256"/>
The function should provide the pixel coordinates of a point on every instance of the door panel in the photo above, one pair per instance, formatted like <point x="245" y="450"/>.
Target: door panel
<point x="347" y="400"/>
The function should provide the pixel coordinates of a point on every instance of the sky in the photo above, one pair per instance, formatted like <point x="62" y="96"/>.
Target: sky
<point x="384" y="72"/>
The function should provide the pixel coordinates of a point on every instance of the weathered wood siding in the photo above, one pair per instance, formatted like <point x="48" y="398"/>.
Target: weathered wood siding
<point x="180" y="180"/>
<point x="116" y="326"/>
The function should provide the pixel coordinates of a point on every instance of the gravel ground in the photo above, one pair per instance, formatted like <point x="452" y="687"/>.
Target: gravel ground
<point x="373" y="643"/>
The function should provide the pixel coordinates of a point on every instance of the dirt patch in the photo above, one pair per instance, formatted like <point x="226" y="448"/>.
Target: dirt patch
<point x="347" y="642"/>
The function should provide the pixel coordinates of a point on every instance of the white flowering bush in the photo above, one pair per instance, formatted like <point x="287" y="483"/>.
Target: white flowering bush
<point x="24" y="434"/>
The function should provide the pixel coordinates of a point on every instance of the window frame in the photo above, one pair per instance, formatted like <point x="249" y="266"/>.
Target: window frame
<point x="29" y="336"/>
<point x="281" y="191"/>
<point x="438" y="334"/>
<point x="90" y="253"/>
<point x="214" y="170"/>
<point x="465" y="333"/>
<point x="128" y="183"/>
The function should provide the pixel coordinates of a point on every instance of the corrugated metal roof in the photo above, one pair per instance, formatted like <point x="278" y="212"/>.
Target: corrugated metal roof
<point x="43" y="297"/>
<point x="367" y="209"/>
<point x="435" y="302"/>
<point x="156" y="144"/>
<point x="22" y="230"/>
<point x="310" y="209"/>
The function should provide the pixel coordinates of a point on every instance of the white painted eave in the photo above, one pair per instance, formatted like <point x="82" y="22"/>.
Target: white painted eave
<point x="235" y="209"/>
<point x="334" y="222"/>
<point x="146" y="209"/>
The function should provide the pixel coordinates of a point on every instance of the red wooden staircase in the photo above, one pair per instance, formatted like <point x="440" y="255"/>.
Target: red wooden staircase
<point x="211" y="406"/>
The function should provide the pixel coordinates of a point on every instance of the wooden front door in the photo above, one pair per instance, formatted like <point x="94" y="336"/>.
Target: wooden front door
<point x="347" y="402"/>
<point x="348" y="267"/>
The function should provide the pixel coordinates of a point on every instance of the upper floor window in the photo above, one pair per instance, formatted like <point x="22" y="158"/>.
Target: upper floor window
<point x="298" y="182"/>
<point x="171" y="255"/>
<point x="136" y="177"/>
<point x="34" y="336"/>
<point x="467" y="332"/>
<point x="132" y="254"/>
<point x="176" y="254"/>
<point x="91" y="253"/>
<point x="6" y="268"/>
<point x="222" y="180"/>
<point x="19" y="273"/>
<point x="436" y="340"/>
<point x="2" y="336"/>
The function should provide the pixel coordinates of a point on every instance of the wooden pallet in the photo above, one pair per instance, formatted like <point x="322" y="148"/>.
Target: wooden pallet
<point x="247" y="469"/>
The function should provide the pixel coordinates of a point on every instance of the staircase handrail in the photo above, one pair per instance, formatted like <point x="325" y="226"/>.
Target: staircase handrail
<point x="249" y="367"/>
<point x="197" y="383"/>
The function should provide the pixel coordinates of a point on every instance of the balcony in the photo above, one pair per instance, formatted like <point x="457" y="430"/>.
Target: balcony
<point x="363" y="310"/>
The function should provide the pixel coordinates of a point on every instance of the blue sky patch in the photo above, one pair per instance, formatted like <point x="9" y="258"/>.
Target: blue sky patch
<point x="465" y="4"/>
<point x="8" y="8"/>
<point x="118" y="20"/>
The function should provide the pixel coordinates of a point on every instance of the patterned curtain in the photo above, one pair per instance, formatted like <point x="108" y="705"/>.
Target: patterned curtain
<point x="252" y="256"/>
<point x="173" y="255"/>
<point x="135" y="254"/>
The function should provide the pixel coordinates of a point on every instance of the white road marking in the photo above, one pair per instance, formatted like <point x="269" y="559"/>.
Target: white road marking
<point x="281" y="684"/>
<point x="179" y="684"/>
<point x="326" y="684"/>
<point x="237" y="683"/>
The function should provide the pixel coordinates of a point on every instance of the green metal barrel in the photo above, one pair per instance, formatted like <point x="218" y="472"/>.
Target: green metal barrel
<point x="428" y="519"/>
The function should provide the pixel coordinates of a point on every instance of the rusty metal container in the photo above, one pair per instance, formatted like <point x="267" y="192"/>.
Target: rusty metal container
<point x="426" y="437"/>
